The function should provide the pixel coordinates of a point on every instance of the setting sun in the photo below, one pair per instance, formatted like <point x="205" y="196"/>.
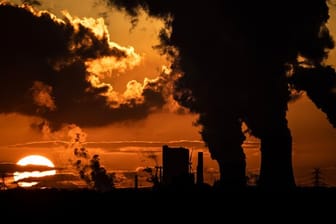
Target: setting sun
<point x="33" y="160"/>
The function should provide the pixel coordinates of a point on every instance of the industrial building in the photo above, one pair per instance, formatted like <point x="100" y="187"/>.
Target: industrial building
<point x="176" y="167"/>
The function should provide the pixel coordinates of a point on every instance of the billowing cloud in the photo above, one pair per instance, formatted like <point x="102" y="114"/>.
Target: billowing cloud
<point x="56" y="69"/>
<point x="320" y="84"/>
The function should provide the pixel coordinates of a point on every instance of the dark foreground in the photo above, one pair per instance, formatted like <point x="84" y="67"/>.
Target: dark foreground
<point x="166" y="204"/>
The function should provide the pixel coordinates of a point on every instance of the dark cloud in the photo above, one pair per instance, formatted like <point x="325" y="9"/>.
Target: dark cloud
<point x="51" y="178"/>
<point x="10" y="168"/>
<point x="55" y="68"/>
<point x="53" y="181"/>
<point x="235" y="58"/>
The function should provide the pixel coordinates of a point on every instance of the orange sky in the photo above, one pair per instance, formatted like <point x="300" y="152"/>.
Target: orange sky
<point x="314" y="141"/>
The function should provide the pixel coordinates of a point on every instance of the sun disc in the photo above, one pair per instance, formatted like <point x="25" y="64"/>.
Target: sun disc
<point x="33" y="160"/>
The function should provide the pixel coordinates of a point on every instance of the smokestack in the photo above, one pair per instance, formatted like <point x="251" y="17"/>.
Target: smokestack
<point x="136" y="181"/>
<point x="200" y="178"/>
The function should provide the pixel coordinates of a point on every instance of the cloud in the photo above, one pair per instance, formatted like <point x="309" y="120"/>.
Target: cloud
<point x="52" y="178"/>
<point x="12" y="167"/>
<point x="113" y="144"/>
<point x="62" y="180"/>
<point x="41" y="144"/>
<point x="128" y="146"/>
<point x="56" y="69"/>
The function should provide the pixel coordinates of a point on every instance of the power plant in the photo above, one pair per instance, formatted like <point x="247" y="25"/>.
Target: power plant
<point x="175" y="164"/>
<point x="176" y="168"/>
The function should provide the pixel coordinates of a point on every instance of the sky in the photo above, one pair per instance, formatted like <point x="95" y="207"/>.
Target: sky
<point x="126" y="144"/>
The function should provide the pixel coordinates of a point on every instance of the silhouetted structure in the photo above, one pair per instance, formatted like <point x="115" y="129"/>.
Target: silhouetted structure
<point x="136" y="181"/>
<point x="317" y="178"/>
<point x="199" y="174"/>
<point x="158" y="175"/>
<point x="175" y="162"/>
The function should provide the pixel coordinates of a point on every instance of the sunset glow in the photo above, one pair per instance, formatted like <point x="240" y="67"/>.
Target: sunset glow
<point x="33" y="160"/>
<point x="120" y="79"/>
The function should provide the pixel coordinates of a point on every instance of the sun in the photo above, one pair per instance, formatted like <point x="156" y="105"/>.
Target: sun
<point x="33" y="160"/>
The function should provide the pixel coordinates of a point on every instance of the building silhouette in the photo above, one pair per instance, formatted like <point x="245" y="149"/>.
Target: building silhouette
<point x="199" y="174"/>
<point x="175" y="164"/>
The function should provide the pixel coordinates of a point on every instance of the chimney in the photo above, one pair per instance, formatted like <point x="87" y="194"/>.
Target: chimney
<point x="199" y="177"/>
<point x="136" y="181"/>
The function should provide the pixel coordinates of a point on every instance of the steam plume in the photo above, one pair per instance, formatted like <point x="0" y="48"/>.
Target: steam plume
<point x="89" y="168"/>
<point x="234" y="60"/>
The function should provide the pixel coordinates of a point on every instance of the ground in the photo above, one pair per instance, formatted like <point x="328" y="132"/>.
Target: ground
<point x="146" y="204"/>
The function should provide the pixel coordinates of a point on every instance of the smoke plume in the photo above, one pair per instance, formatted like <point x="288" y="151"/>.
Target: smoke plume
<point x="88" y="166"/>
<point x="320" y="84"/>
<point x="234" y="59"/>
